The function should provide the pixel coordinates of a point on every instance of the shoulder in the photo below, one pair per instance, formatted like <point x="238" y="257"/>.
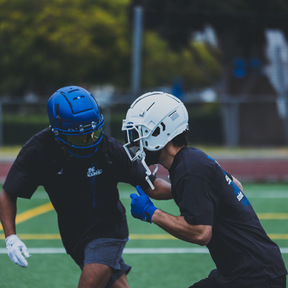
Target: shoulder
<point x="192" y="159"/>
<point x="193" y="163"/>
<point x="40" y="145"/>
<point x="42" y="138"/>
<point x="109" y="142"/>
<point x="112" y="147"/>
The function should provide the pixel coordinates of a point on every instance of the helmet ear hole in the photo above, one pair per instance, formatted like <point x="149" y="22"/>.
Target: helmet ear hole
<point x="156" y="132"/>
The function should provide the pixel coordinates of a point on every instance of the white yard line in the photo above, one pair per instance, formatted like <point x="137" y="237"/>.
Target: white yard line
<point x="132" y="250"/>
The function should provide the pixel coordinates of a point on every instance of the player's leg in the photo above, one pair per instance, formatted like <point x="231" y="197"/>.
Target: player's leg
<point x="118" y="278"/>
<point x="122" y="282"/>
<point x="94" y="275"/>
<point x="104" y="265"/>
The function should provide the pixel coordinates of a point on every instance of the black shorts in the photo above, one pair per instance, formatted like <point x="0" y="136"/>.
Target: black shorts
<point x="279" y="282"/>
<point x="107" y="251"/>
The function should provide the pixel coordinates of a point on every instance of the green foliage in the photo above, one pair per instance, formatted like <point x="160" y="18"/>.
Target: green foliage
<point x="46" y="44"/>
<point x="49" y="44"/>
<point x="17" y="129"/>
<point x="204" y="122"/>
<point x="186" y="64"/>
<point x="26" y="119"/>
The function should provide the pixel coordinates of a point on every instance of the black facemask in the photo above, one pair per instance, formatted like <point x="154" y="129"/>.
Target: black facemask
<point x="152" y="157"/>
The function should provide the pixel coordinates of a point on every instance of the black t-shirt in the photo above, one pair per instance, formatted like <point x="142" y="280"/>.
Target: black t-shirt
<point x="206" y="195"/>
<point x="83" y="191"/>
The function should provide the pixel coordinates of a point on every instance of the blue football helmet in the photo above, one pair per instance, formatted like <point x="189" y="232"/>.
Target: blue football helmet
<point x="75" y="120"/>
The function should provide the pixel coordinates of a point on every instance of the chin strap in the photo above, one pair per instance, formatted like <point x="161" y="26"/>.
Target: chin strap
<point x="155" y="170"/>
<point x="148" y="173"/>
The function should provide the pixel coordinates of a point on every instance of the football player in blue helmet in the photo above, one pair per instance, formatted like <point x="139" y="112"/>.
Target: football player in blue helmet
<point x="75" y="120"/>
<point x="79" y="167"/>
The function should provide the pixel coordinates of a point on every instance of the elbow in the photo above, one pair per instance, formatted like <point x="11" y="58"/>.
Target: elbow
<point x="204" y="237"/>
<point x="202" y="240"/>
<point x="205" y="241"/>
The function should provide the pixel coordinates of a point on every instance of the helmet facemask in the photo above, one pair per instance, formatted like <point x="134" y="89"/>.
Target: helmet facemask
<point x="83" y="144"/>
<point x="134" y="139"/>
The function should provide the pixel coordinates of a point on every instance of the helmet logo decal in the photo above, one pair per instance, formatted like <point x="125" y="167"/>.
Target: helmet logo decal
<point x="174" y="115"/>
<point x="81" y="129"/>
<point x="93" y="125"/>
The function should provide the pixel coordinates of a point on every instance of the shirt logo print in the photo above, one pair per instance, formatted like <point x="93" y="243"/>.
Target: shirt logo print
<point x="92" y="172"/>
<point x="239" y="194"/>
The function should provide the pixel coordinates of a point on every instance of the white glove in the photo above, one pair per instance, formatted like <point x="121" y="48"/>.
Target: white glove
<point x="15" y="249"/>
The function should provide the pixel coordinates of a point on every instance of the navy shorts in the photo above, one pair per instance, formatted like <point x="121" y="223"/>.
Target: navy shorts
<point x="107" y="251"/>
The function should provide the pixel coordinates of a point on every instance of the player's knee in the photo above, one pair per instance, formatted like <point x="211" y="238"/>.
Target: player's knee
<point x="95" y="275"/>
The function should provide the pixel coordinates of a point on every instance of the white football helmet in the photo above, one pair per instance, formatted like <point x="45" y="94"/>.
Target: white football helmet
<point x="153" y="120"/>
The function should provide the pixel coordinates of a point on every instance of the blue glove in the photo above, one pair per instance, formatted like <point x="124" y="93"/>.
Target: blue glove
<point x="141" y="206"/>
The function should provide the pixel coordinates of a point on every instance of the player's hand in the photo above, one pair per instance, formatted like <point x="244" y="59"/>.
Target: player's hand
<point x="15" y="249"/>
<point x="141" y="206"/>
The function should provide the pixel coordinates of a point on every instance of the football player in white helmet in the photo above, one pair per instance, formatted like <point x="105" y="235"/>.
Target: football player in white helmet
<point x="214" y="210"/>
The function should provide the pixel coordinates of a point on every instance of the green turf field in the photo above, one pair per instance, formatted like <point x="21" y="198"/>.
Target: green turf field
<point x="155" y="268"/>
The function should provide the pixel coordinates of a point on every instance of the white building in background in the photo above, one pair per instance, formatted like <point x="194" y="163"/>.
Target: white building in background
<point x="208" y="35"/>
<point x="277" y="68"/>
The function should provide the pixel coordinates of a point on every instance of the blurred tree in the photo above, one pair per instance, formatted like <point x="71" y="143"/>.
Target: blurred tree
<point x="193" y="64"/>
<point x="49" y="44"/>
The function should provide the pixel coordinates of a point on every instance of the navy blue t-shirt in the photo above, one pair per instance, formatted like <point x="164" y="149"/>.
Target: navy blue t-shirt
<point x="83" y="191"/>
<point x="206" y="195"/>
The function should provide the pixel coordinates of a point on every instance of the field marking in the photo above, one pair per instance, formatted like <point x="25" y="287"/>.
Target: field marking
<point x="48" y="207"/>
<point x="36" y="236"/>
<point x="278" y="236"/>
<point x="132" y="250"/>
<point x="272" y="216"/>
<point x="58" y="237"/>
<point x="249" y="193"/>
<point x="152" y="237"/>
<point x="32" y="213"/>
<point x="132" y="236"/>
<point x="280" y="194"/>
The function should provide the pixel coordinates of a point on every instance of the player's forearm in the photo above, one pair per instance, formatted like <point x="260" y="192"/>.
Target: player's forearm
<point x="179" y="228"/>
<point x="162" y="190"/>
<point x="7" y="213"/>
